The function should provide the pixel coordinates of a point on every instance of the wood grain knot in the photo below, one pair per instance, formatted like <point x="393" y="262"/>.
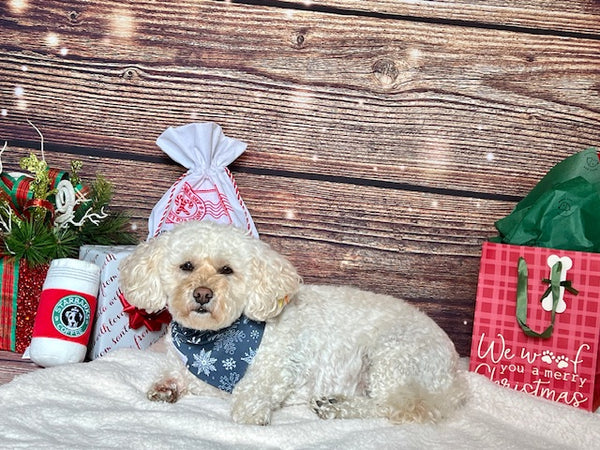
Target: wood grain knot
<point x="385" y="71"/>
<point x="299" y="38"/>
<point x="130" y="73"/>
<point x="73" y="16"/>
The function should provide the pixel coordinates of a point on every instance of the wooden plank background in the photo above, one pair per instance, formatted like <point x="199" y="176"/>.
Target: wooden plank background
<point x="384" y="137"/>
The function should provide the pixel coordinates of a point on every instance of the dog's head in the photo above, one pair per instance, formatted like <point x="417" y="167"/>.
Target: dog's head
<point x="207" y="275"/>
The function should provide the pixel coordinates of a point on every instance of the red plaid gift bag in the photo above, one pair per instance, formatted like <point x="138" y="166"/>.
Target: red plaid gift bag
<point x="537" y="322"/>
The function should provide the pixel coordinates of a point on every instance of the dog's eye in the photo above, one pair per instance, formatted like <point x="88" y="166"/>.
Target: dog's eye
<point x="225" y="270"/>
<point x="187" y="266"/>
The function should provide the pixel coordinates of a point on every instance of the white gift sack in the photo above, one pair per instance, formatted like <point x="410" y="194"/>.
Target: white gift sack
<point x="207" y="191"/>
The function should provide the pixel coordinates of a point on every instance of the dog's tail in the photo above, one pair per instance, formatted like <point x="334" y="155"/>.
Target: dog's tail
<point x="414" y="403"/>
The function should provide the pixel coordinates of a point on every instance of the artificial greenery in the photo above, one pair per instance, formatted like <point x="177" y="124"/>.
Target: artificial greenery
<point x="40" y="186"/>
<point x="38" y="237"/>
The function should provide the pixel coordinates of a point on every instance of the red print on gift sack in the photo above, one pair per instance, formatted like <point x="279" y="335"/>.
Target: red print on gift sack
<point x="197" y="204"/>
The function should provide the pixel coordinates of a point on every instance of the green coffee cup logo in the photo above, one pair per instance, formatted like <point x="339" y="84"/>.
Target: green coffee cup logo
<point x="71" y="316"/>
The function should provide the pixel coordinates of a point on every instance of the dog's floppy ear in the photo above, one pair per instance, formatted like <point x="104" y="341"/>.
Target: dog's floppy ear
<point x="139" y="276"/>
<point x="275" y="281"/>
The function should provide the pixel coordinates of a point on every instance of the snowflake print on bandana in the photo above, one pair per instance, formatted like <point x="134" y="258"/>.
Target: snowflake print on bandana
<point x="249" y="356"/>
<point x="254" y="334"/>
<point x="204" y="363"/>
<point x="229" y="364"/>
<point x="228" y="382"/>
<point x="221" y="357"/>
<point x="229" y="340"/>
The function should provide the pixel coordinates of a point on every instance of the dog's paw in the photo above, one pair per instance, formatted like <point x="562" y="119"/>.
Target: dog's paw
<point x="164" y="391"/>
<point x="257" y="415"/>
<point x="327" y="407"/>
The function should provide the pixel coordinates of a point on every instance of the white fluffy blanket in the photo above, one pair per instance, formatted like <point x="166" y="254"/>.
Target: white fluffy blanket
<point x="102" y="404"/>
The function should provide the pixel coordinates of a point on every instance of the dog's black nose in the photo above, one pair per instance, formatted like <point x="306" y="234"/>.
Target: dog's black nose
<point x="202" y="295"/>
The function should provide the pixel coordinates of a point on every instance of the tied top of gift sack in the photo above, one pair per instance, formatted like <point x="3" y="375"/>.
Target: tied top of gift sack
<point x="207" y="191"/>
<point x="562" y="211"/>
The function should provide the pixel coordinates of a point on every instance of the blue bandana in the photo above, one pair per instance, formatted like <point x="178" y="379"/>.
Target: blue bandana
<point x="219" y="358"/>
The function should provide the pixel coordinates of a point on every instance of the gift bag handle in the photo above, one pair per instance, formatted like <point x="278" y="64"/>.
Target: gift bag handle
<point x="522" y="298"/>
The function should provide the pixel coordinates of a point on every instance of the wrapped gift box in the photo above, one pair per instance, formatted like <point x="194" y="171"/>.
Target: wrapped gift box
<point x="117" y="324"/>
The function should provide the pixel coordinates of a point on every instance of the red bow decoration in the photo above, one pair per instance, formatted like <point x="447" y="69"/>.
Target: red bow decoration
<point x="139" y="317"/>
<point x="16" y="191"/>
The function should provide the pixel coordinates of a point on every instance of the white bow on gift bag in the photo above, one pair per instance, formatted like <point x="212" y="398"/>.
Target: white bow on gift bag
<point x="207" y="191"/>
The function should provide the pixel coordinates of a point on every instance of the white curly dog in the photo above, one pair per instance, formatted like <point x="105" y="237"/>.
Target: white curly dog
<point x="344" y="352"/>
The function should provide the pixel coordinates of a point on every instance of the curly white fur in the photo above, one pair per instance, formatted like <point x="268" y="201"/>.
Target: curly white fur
<point x="344" y="352"/>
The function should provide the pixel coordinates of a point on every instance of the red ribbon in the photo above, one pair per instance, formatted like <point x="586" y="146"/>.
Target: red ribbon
<point x="17" y="191"/>
<point x="38" y="203"/>
<point x="139" y="317"/>
<point x="9" y="275"/>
